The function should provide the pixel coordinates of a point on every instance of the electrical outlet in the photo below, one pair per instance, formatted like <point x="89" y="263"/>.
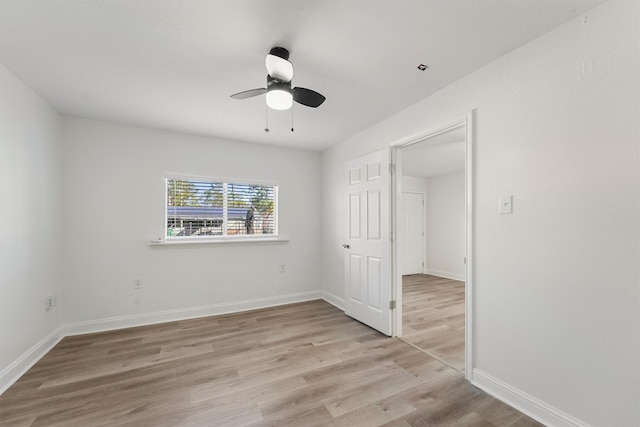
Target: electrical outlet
<point x="283" y="268"/>
<point x="50" y="302"/>
<point x="137" y="283"/>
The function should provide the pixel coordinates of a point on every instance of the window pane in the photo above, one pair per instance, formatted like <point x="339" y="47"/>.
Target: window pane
<point x="198" y="208"/>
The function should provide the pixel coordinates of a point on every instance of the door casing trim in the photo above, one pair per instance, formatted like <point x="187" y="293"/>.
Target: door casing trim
<point x="396" y="189"/>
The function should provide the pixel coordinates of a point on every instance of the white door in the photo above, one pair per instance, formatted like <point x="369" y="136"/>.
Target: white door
<point x="368" y="245"/>
<point x="411" y="233"/>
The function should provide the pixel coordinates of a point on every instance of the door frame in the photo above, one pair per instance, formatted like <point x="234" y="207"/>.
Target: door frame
<point x="396" y="190"/>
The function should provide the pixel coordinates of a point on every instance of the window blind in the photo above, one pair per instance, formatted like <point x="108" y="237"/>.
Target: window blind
<point x="201" y="209"/>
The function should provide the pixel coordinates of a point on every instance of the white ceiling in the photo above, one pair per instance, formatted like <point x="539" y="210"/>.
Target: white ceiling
<point x="172" y="64"/>
<point x="438" y="155"/>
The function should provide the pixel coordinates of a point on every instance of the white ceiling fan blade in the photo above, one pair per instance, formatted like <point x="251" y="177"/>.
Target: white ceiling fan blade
<point x="279" y="68"/>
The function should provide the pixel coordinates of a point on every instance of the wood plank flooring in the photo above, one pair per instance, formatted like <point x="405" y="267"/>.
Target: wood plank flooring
<point x="433" y="316"/>
<point x="297" y="365"/>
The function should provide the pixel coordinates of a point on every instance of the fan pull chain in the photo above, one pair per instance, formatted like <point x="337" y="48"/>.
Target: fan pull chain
<point x="292" y="118"/>
<point x="266" y="129"/>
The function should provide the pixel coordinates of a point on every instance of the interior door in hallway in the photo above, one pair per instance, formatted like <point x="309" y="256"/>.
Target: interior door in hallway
<point x="411" y="233"/>
<point x="368" y="245"/>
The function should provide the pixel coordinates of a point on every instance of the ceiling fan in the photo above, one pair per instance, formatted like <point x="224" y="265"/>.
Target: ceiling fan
<point x="280" y="94"/>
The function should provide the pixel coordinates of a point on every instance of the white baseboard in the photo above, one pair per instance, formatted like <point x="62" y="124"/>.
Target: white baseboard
<point x="447" y="275"/>
<point x="13" y="372"/>
<point x="20" y="366"/>
<point x="523" y="402"/>
<point x="130" y="321"/>
<point x="333" y="299"/>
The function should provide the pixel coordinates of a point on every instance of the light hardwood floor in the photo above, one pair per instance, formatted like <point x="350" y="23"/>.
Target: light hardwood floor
<point x="433" y="316"/>
<point x="299" y="365"/>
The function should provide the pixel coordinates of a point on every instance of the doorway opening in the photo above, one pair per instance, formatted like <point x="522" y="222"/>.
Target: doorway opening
<point x="432" y="252"/>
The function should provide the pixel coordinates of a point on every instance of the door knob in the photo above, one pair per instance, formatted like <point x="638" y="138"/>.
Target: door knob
<point x="346" y="245"/>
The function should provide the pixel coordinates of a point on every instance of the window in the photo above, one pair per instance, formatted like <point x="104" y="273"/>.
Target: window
<point x="198" y="209"/>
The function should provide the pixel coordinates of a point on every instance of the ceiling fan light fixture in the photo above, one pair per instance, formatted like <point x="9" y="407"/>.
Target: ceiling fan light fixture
<point x="279" y="97"/>
<point x="279" y="93"/>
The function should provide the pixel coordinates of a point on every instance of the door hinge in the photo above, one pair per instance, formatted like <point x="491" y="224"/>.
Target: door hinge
<point x="392" y="168"/>
<point x="392" y="304"/>
<point x="392" y="236"/>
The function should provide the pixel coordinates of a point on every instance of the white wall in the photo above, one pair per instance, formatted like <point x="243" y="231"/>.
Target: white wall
<point x="556" y="284"/>
<point x="415" y="184"/>
<point x="114" y="205"/>
<point x="446" y="226"/>
<point x="31" y="218"/>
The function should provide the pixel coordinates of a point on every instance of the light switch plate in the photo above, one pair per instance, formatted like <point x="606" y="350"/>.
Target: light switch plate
<point x="505" y="204"/>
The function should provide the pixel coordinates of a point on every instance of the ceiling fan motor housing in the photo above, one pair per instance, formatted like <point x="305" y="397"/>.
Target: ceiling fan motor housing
<point x="280" y="52"/>
<point x="276" y="84"/>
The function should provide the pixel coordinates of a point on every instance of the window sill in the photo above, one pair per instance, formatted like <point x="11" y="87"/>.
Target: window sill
<point x="222" y="241"/>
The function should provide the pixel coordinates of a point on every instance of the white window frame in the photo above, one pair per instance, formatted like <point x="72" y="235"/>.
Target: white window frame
<point x="224" y="237"/>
